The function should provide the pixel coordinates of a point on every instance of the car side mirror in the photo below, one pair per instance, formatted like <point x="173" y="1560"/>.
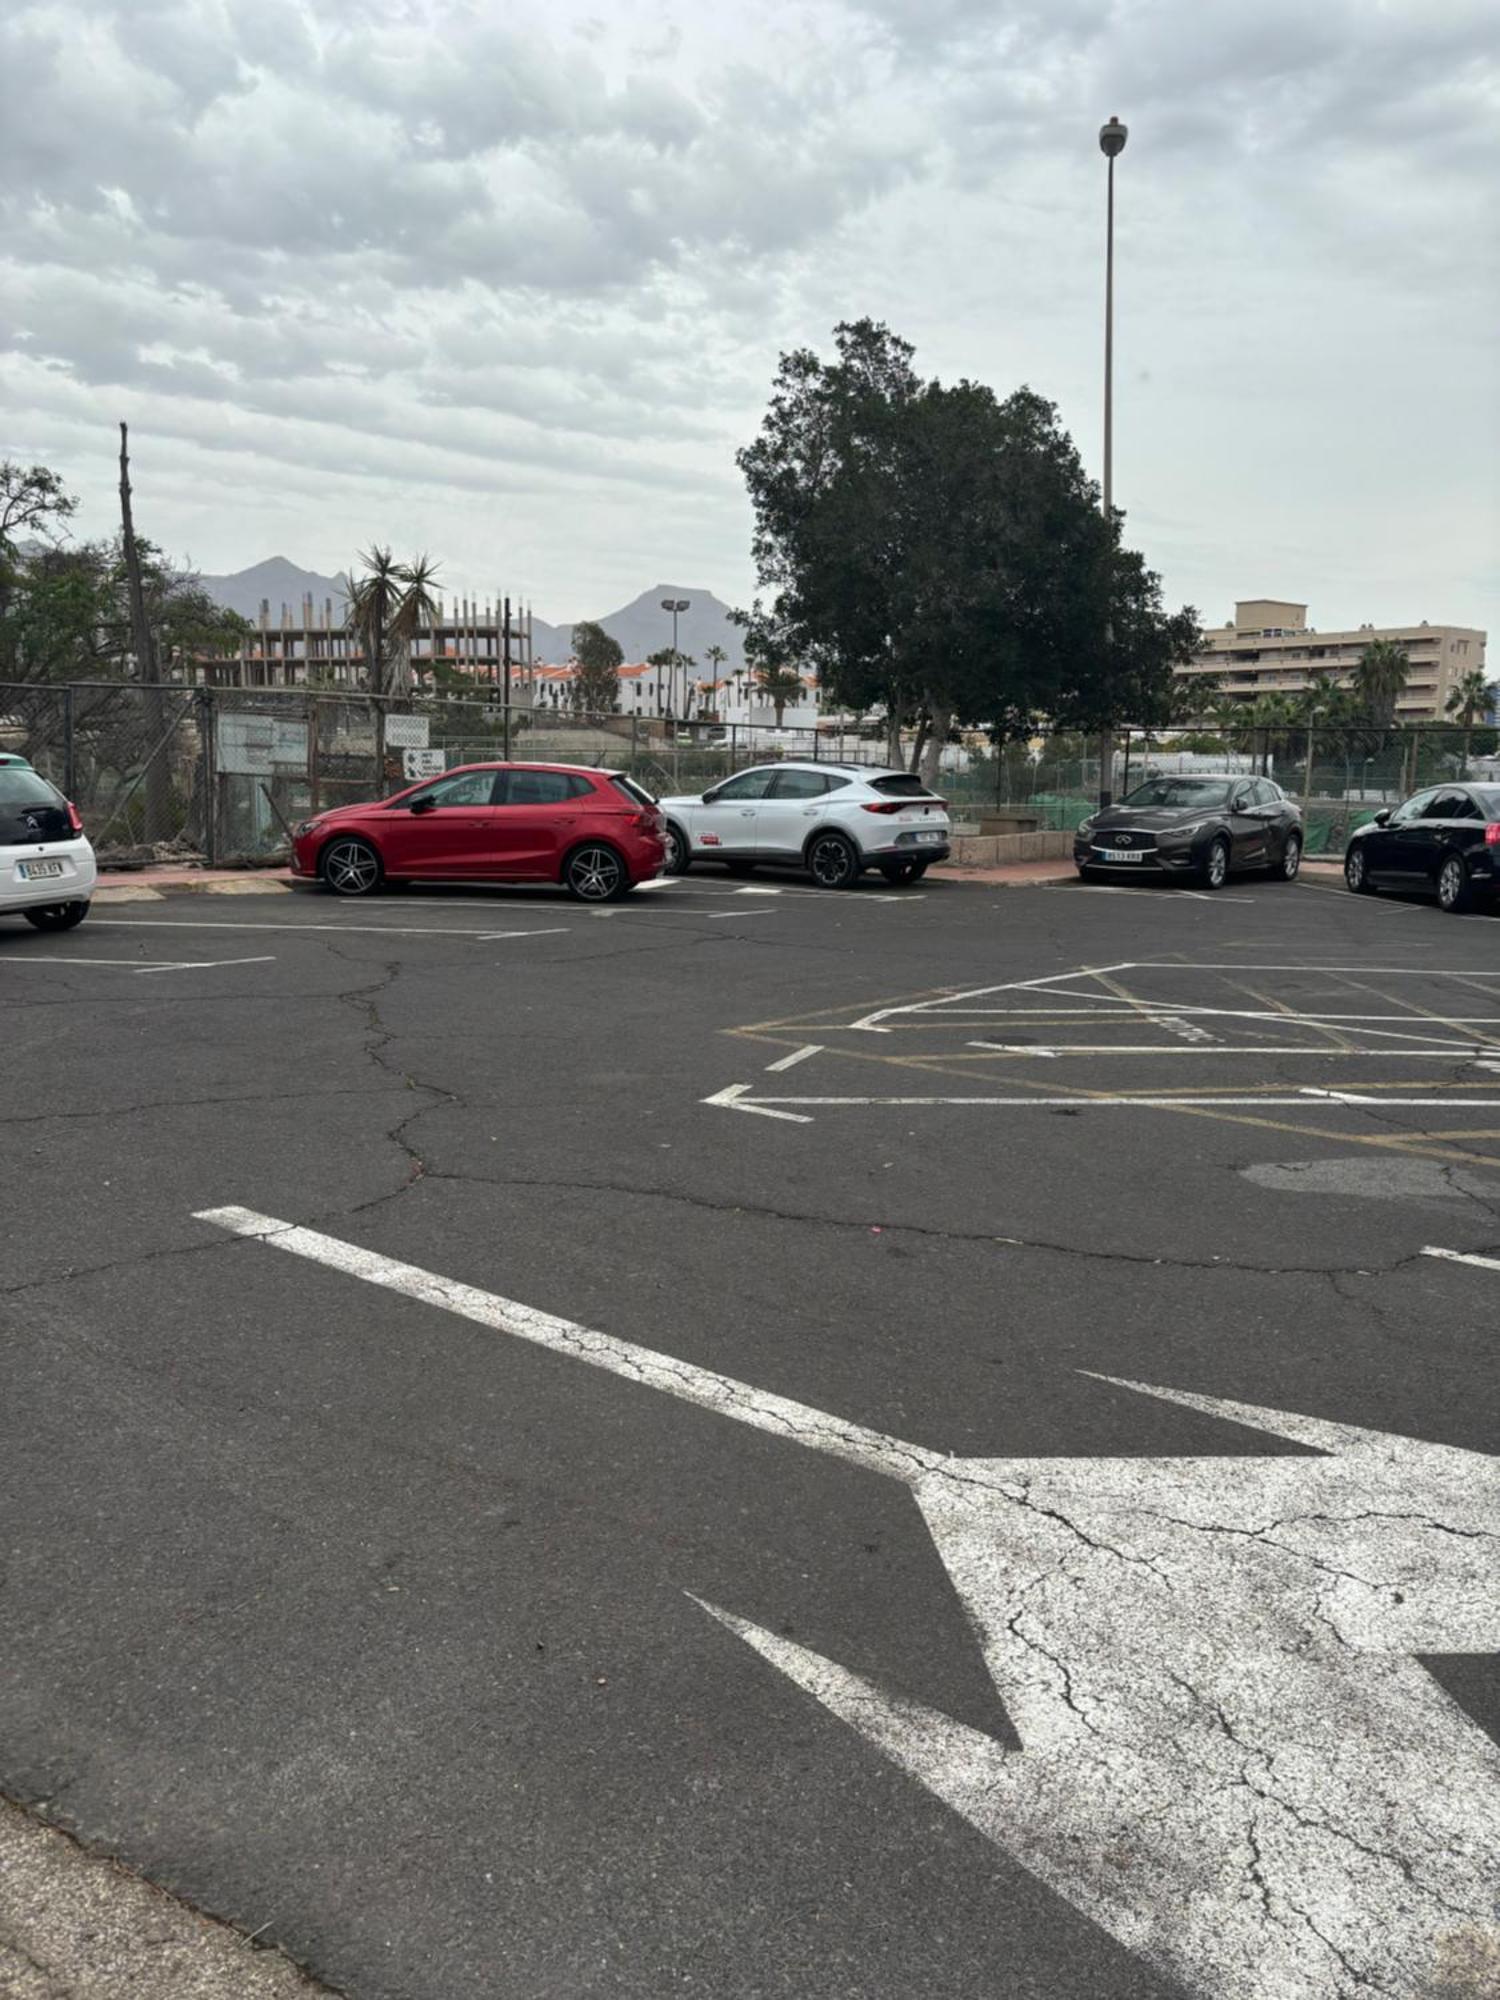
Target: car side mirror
<point x="709" y="797"/>
<point x="423" y="805"/>
<point x="1383" y="816"/>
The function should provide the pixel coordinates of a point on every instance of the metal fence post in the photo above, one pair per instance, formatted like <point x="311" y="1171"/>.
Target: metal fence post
<point x="70" y="784"/>
<point x="208" y="775"/>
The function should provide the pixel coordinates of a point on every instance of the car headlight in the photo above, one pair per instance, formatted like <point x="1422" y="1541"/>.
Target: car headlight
<point x="1084" y="828"/>
<point x="1183" y="832"/>
<point x="307" y="826"/>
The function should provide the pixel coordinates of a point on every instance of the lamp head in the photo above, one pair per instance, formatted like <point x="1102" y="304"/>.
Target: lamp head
<point x="1112" y="138"/>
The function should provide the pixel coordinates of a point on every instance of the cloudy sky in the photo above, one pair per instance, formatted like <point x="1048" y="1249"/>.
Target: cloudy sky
<point x="508" y="280"/>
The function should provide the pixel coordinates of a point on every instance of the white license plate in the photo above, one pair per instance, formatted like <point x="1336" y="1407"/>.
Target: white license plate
<point x="929" y="836"/>
<point x="37" y="871"/>
<point x="1114" y="854"/>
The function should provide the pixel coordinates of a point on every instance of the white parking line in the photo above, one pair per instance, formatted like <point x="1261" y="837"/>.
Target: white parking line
<point x="369" y="930"/>
<point x="1462" y="1257"/>
<point x="797" y="1055"/>
<point x="735" y="1097"/>
<point x="137" y="964"/>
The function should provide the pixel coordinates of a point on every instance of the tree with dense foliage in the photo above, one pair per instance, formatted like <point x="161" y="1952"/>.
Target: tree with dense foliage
<point x="389" y="603"/>
<point x="64" y="607"/>
<point x="941" y="555"/>
<point x="596" y="691"/>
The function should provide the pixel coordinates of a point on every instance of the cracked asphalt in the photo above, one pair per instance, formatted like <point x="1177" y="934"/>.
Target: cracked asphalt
<point x="362" y="1626"/>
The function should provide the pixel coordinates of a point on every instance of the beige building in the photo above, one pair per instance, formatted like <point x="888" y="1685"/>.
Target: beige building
<point x="1269" y="648"/>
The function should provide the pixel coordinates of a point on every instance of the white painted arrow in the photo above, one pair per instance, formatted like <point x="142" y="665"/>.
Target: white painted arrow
<point x="1232" y="1757"/>
<point x="733" y="1098"/>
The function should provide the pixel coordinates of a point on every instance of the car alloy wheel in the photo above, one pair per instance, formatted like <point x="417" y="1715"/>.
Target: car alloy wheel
<point x="57" y="916"/>
<point x="1453" y="884"/>
<point x="831" y="862"/>
<point x="678" y="859"/>
<point x="1291" y="859"/>
<point x="351" y="868"/>
<point x="1356" y="874"/>
<point x="1216" y="864"/>
<point x="596" y="875"/>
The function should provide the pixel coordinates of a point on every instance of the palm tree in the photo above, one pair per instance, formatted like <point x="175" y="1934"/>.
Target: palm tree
<point x="715" y="656"/>
<point x="388" y="606"/>
<point x="1380" y="679"/>
<point x="1469" y="700"/>
<point x="779" y="685"/>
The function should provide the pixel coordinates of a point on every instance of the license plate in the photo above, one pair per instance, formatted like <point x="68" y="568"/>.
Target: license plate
<point x="37" y="871"/>
<point x="929" y="836"/>
<point x="1114" y="854"/>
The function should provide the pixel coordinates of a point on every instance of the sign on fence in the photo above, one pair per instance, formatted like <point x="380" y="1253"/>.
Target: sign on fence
<point x="419" y="763"/>
<point x="406" y="732"/>
<point x="261" y="746"/>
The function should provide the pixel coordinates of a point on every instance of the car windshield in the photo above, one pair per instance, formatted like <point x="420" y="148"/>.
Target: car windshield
<point x="1169" y="792"/>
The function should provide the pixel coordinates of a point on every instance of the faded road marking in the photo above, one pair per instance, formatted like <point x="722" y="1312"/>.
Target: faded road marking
<point x="1232" y="1757"/>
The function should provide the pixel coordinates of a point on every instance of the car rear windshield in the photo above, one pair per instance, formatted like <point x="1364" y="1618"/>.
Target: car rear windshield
<point x="1168" y="792"/>
<point x="637" y="794"/>
<point x="30" y="808"/>
<point x="1489" y="803"/>
<point x="901" y="785"/>
<point x="20" y="787"/>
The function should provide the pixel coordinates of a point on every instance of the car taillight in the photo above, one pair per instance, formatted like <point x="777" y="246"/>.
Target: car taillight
<point x="74" y="820"/>
<point x="1492" y="834"/>
<point x="645" y="822"/>
<point x="887" y="806"/>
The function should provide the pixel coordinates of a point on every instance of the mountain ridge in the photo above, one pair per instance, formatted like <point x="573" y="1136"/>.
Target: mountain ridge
<point x="642" y="627"/>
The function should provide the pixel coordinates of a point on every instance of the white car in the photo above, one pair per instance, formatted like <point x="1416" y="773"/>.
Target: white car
<point x="834" y="820"/>
<point x="47" y="871"/>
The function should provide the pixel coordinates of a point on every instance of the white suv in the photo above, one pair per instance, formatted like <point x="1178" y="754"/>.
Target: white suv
<point x="46" y="865"/>
<point x="834" y="820"/>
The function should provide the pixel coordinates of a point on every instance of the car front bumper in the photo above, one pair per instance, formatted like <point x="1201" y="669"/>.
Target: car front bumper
<point x="74" y="884"/>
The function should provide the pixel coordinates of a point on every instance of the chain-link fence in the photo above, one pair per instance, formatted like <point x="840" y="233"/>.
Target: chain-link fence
<point x="223" y="774"/>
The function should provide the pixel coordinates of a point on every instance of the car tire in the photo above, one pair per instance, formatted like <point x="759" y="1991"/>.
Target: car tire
<point x="832" y="861"/>
<point x="350" y="866"/>
<point x="1356" y="874"/>
<point x="1453" y="891"/>
<point x="57" y="916"/>
<point x="901" y="873"/>
<point x="679" y="858"/>
<point x="1285" y="870"/>
<point x="1215" y="870"/>
<point x="595" y="872"/>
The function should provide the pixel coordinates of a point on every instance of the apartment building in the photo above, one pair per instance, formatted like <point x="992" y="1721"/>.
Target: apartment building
<point x="1268" y="647"/>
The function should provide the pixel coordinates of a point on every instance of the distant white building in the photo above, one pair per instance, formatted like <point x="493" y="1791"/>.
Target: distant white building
<point x="646" y="690"/>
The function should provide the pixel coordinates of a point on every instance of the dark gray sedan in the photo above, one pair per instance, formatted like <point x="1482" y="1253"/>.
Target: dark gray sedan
<point x="1201" y="829"/>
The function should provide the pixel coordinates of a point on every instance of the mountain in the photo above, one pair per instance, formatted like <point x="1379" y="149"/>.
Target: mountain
<point x="641" y="626"/>
<point x="278" y="582"/>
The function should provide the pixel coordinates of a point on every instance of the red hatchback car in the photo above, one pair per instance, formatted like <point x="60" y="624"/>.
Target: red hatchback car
<point x="595" y="832"/>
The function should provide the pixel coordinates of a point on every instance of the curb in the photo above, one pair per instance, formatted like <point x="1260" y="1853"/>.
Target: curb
<point x="153" y="892"/>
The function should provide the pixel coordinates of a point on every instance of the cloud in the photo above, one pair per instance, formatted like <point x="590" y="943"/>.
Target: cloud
<point x="543" y="258"/>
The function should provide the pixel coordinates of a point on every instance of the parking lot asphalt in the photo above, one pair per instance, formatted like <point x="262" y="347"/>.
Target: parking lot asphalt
<point x="764" y="1443"/>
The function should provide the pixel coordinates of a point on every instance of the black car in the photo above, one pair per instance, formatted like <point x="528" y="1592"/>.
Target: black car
<point x="1443" y="842"/>
<point x="1202" y="828"/>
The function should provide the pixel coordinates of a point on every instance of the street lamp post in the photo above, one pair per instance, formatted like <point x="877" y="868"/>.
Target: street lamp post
<point x="1112" y="139"/>
<point x="675" y="605"/>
